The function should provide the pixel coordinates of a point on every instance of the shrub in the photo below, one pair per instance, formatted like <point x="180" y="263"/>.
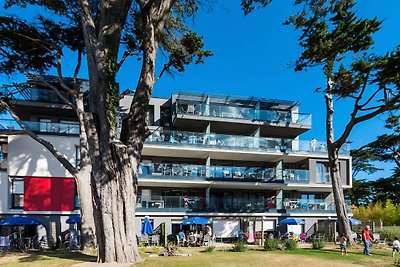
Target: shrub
<point x="389" y="232"/>
<point x="290" y="244"/>
<point x="209" y="249"/>
<point x="142" y="247"/>
<point x="155" y="249"/>
<point x="271" y="244"/>
<point x="239" y="247"/>
<point x="318" y="244"/>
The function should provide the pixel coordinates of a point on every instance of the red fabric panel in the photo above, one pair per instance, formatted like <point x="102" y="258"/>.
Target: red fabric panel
<point x="48" y="194"/>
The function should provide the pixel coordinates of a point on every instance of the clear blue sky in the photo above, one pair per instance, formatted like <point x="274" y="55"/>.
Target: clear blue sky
<point x="251" y="57"/>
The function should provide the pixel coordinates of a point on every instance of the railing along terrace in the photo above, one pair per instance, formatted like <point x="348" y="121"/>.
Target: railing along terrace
<point x="237" y="205"/>
<point x="232" y="112"/>
<point x="222" y="173"/>
<point x="240" y="142"/>
<point x="53" y="127"/>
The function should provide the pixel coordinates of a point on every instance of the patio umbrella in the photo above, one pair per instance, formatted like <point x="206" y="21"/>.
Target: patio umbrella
<point x="353" y="221"/>
<point x="76" y="218"/>
<point x="196" y="220"/>
<point x="19" y="221"/>
<point x="147" y="228"/>
<point x="292" y="221"/>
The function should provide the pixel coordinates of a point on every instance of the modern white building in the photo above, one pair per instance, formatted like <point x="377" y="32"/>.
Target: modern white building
<point x="239" y="161"/>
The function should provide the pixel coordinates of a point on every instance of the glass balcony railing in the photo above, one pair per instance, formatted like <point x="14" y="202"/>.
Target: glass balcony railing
<point x="232" y="112"/>
<point x="53" y="127"/>
<point x="222" y="173"/>
<point x="236" y="205"/>
<point x="222" y="141"/>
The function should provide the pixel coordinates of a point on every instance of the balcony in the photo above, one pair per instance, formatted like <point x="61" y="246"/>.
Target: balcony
<point x="222" y="173"/>
<point x="237" y="142"/>
<point x="235" y="205"/>
<point x="252" y="114"/>
<point x="53" y="127"/>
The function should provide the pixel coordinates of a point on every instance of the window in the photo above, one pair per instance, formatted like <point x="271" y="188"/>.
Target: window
<point x="45" y="125"/>
<point x="76" y="200"/>
<point x="17" y="193"/>
<point x="150" y="116"/>
<point x="77" y="157"/>
<point x="322" y="172"/>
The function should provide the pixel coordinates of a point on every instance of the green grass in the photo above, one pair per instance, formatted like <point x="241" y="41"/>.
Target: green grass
<point x="255" y="257"/>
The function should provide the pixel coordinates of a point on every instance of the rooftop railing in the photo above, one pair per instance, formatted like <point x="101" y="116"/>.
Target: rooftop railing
<point x="232" y="112"/>
<point x="181" y="138"/>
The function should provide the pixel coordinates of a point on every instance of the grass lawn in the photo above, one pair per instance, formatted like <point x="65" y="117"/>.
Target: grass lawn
<point x="328" y="257"/>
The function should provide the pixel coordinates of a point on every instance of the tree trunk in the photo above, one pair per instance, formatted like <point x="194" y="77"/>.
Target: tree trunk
<point x="115" y="202"/>
<point x="88" y="234"/>
<point x="333" y="155"/>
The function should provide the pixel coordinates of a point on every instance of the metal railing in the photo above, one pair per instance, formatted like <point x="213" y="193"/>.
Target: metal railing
<point x="222" y="173"/>
<point x="52" y="127"/>
<point x="232" y="112"/>
<point x="224" y="141"/>
<point x="236" y="205"/>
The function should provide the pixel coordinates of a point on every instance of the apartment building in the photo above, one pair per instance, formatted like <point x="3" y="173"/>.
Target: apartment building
<point x="239" y="161"/>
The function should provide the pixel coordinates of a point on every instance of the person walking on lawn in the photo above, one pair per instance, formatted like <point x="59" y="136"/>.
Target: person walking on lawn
<point x="366" y="238"/>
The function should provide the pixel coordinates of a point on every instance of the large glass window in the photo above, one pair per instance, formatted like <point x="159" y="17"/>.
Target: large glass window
<point x="322" y="171"/>
<point x="45" y="125"/>
<point x="17" y="193"/>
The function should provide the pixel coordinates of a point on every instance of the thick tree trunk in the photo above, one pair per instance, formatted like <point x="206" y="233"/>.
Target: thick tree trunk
<point x="333" y="155"/>
<point x="115" y="202"/>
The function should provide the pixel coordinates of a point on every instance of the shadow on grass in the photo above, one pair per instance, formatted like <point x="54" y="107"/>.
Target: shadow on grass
<point x="51" y="255"/>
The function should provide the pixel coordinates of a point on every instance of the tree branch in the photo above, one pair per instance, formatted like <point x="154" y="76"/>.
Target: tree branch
<point x="60" y="157"/>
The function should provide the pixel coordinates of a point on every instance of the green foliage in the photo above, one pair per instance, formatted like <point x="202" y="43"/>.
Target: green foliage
<point x="361" y="192"/>
<point x="250" y="5"/>
<point x="387" y="212"/>
<point x="142" y="247"/>
<point x="389" y="232"/>
<point x="318" y="244"/>
<point x="112" y="102"/>
<point x="209" y="249"/>
<point x="271" y="244"/>
<point x="290" y="244"/>
<point x="155" y="249"/>
<point x="240" y="247"/>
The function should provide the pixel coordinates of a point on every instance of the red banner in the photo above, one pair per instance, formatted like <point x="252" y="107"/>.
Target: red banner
<point x="49" y="194"/>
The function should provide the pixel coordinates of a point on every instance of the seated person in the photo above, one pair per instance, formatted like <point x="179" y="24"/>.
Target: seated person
<point x="182" y="237"/>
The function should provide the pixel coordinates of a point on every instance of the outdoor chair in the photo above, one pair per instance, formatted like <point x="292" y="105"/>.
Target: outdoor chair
<point x="155" y="240"/>
<point x="207" y="240"/>
<point x="180" y="242"/>
<point x="192" y="241"/>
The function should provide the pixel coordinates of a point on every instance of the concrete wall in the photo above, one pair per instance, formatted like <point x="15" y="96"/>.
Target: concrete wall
<point x="27" y="157"/>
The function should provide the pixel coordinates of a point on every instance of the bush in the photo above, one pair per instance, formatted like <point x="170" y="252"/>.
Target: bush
<point x="290" y="244"/>
<point x="239" y="247"/>
<point x="318" y="244"/>
<point x="155" y="249"/>
<point x="142" y="247"/>
<point x="389" y="232"/>
<point x="209" y="249"/>
<point x="271" y="244"/>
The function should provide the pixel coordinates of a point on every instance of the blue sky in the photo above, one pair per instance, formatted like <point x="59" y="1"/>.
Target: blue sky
<point x="252" y="57"/>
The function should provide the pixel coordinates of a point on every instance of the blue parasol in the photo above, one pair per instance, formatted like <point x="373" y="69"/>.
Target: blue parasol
<point x="147" y="228"/>
<point x="76" y="218"/>
<point x="19" y="221"/>
<point x="292" y="221"/>
<point x="196" y="220"/>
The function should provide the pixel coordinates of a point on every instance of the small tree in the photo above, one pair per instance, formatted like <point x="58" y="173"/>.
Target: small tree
<point x="330" y="32"/>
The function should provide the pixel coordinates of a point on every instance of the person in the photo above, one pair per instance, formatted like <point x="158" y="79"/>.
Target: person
<point x="182" y="237"/>
<point x="343" y="244"/>
<point x="366" y="238"/>
<point x="208" y="230"/>
<point x="396" y="246"/>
